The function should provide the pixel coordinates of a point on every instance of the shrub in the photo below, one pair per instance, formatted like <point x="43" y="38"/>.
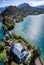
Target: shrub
<point x="29" y="46"/>
<point x="1" y="48"/>
<point x="36" y="52"/>
<point x="3" y="56"/>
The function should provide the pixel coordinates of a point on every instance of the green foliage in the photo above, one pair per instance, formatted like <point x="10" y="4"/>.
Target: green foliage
<point x="0" y="19"/>
<point x="8" y="23"/>
<point x="29" y="46"/>
<point x="1" y="48"/>
<point x="3" y="56"/>
<point x="4" y="27"/>
<point x="8" y="52"/>
<point x="27" y="61"/>
<point x="11" y="10"/>
<point x="36" y="52"/>
<point x="16" y="36"/>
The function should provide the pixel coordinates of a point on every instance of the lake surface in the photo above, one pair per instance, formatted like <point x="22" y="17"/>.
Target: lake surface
<point x="1" y="37"/>
<point x="32" y="29"/>
<point x="1" y="63"/>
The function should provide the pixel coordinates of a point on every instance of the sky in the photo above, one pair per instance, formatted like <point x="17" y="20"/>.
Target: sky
<point x="4" y="3"/>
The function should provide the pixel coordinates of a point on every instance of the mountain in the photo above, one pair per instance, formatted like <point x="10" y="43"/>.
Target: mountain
<point x="11" y="10"/>
<point x="41" y="7"/>
<point x="2" y="9"/>
<point x="29" y="8"/>
<point x="23" y="10"/>
<point x="24" y="5"/>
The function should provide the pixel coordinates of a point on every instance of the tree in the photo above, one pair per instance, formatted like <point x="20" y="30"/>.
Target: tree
<point x="29" y="46"/>
<point x="3" y="56"/>
<point x="36" y="52"/>
<point x="1" y="48"/>
<point x="4" y="27"/>
<point x="8" y="23"/>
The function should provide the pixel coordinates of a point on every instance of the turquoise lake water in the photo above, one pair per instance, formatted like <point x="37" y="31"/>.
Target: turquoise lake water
<point x="1" y="63"/>
<point x="1" y="37"/>
<point x="1" y="32"/>
<point x="32" y="29"/>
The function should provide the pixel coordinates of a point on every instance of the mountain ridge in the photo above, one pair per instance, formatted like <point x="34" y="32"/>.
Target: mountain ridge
<point x="23" y="8"/>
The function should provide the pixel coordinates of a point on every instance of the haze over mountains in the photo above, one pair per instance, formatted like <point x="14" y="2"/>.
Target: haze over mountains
<point x="41" y="6"/>
<point x="26" y="4"/>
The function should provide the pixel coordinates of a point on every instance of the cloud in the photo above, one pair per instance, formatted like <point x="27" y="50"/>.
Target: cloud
<point x="31" y="2"/>
<point x="36" y="3"/>
<point x="17" y="2"/>
<point x="5" y="1"/>
<point x="36" y="0"/>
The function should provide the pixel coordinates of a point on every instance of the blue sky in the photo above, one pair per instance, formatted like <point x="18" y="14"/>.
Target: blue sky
<point x="17" y="2"/>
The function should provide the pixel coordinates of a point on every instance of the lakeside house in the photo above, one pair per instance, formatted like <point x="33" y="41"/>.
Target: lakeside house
<point x="19" y="52"/>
